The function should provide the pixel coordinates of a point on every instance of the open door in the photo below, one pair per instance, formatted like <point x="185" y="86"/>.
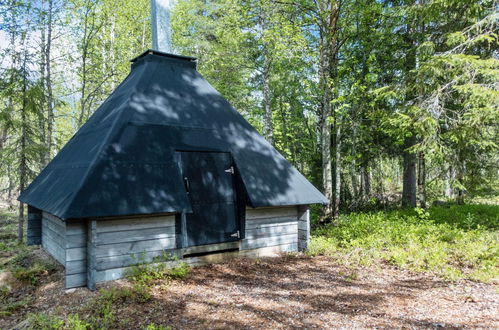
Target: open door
<point x="209" y="182"/>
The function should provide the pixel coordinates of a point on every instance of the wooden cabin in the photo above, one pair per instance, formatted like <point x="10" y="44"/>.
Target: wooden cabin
<point x="165" y="165"/>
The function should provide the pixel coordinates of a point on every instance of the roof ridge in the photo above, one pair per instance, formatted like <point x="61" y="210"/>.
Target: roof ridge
<point x="105" y="143"/>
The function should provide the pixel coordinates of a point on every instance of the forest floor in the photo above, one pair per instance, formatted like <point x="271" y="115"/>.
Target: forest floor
<point x="288" y="292"/>
<point x="333" y="287"/>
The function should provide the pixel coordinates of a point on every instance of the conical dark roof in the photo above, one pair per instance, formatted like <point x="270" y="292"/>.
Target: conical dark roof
<point x="121" y="162"/>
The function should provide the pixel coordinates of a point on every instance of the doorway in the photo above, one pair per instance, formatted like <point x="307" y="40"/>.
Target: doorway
<point x="209" y="182"/>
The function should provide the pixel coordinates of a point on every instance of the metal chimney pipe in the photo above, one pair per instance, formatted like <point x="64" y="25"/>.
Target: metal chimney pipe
<point x="161" y="30"/>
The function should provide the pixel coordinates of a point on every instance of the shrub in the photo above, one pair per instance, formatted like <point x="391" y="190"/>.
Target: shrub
<point x="455" y="242"/>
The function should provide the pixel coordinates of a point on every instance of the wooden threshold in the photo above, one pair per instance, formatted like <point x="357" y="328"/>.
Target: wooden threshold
<point x="211" y="248"/>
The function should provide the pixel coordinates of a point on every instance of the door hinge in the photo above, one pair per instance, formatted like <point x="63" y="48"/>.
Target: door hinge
<point x="230" y="170"/>
<point x="236" y="234"/>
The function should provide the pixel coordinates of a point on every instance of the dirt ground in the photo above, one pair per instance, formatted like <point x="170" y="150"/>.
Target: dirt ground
<point x="290" y="292"/>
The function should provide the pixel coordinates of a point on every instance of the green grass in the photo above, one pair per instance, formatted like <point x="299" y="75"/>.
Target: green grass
<point x="454" y="241"/>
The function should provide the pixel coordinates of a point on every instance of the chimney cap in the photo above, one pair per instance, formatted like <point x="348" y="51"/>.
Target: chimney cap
<point x="158" y="53"/>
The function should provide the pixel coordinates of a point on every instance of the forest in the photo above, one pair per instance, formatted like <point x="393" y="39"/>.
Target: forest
<point x="375" y="102"/>
<point x="389" y="107"/>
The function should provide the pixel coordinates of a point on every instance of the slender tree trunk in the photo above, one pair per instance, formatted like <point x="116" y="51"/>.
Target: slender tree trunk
<point x="325" y="125"/>
<point x="268" y="129"/>
<point x="50" y="98"/>
<point x="23" y="163"/>
<point x="365" y="181"/>
<point x="422" y="180"/>
<point x="449" y="182"/>
<point x="337" y="168"/>
<point x="409" y="177"/>
<point x="460" y="180"/>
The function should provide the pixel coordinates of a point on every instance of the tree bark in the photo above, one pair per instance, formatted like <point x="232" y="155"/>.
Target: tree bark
<point x="422" y="180"/>
<point x="409" y="176"/>
<point x="337" y="168"/>
<point x="365" y="181"/>
<point x="268" y="129"/>
<point x="449" y="182"/>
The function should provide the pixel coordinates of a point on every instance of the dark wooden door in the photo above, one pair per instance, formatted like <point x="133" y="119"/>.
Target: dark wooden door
<point x="209" y="182"/>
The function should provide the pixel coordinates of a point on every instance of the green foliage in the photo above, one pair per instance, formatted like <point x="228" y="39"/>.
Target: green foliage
<point x="44" y="321"/>
<point x="28" y="268"/>
<point x="454" y="242"/>
<point x="162" y="269"/>
<point x="152" y="326"/>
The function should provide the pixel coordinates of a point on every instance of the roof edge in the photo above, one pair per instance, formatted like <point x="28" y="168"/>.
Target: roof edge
<point x="158" y="53"/>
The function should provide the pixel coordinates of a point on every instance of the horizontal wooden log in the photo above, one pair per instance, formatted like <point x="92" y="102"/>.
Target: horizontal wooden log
<point x="261" y="223"/>
<point x="51" y="217"/>
<point x="211" y="247"/>
<point x="53" y="249"/>
<point x="104" y="226"/>
<point x="75" y="280"/>
<point x="74" y="241"/>
<point x="117" y="273"/>
<point x="55" y="237"/>
<point x="272" y="231"/>
<point x="76" y="267"/>
<point x="104" y="263"/>
<point x="135" y="235"/>
<point x="75" y="254"/>
<point x="76" y="228"/>
<point x="118" y="249"/>
<point x="59" y="228"/>
<point x="273" y="212"/>
<point x="248" y="244"/>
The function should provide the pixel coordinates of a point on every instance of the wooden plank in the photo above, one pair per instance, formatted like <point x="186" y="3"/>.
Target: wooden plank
<point x="120" y="272"/>
<point x="274" y="212"/>
<point x="51" y="217"/>
<point x="303" y="235"/>
<point x="76" y="228"/>
<point x="53" y="249"/>
<point x="54" y="236"/>
<point x="103" y="263"/>
<point x="135" y="235"/>
<point x="35" y="223"/>
<point x="75" y="280"/>
<point x="34" y="240"/>
<point x="34" y="231"/>
<point x="248" y="244"/>
<point x="260" y="223"/>
<point x="272" y="231"/>
<point x="303" y="227"/>
<point x="211" y="247"/>
<point x="118" y="249"/>
<point x="183" y="229"/>
<point x="76" y="254"/>
<point x="75" y="241"/>
<point x="76" y="267"/>
<point x="104" y="226"/>
<point x="91" y="250"/>
<point x="58" y="228"/>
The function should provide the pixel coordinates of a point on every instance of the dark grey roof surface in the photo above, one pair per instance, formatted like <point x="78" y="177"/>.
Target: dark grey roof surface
<point x="121" y="162"/>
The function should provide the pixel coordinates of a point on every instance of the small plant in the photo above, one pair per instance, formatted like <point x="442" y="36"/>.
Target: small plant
<point x="179" y="272"/>
<point x="43" y="321"/>
<point x="75" y="323"/>
<point x="152" y="326"/>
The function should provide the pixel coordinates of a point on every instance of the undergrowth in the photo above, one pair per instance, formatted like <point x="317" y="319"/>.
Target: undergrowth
<point x="453" y="241"/>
